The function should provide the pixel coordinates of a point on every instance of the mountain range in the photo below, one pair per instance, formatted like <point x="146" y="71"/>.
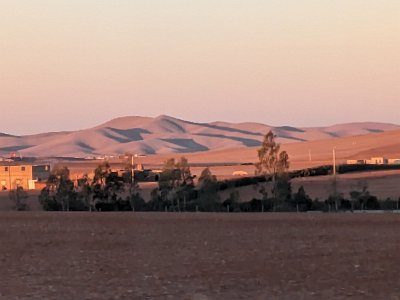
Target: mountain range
<point x="165" y="134"/>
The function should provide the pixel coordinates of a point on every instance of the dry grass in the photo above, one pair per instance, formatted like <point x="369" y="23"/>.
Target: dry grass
<point x="383" y="184"/>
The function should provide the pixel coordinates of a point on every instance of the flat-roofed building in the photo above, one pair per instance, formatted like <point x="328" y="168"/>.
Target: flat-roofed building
<point x="13" y="175"/>
<point x="377" y="161"/>
<point x="356" y="162"/>
<point x="394" y="161"/>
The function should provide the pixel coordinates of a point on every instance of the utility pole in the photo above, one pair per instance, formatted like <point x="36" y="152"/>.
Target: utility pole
<point x="132" y="184"/>
<point x="9" y="176"/>
<point x="133" y="172"/>
<point x="334" y="161"/>
<point x="334" y="180"/>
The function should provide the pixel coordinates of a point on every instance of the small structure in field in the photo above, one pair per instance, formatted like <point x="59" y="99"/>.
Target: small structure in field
<point x="394" y="161"/>
<point x="240" y="173"/>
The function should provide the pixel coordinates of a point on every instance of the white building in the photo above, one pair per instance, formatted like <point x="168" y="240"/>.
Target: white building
<point x="377" y="161"/>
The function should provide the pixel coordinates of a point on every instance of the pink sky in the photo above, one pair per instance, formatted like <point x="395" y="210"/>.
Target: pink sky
<point x="71" y="64"/>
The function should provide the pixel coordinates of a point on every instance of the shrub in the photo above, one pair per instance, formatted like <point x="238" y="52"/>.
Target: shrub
<point x="18" y="197"/>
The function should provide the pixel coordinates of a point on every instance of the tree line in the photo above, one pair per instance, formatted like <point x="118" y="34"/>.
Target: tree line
<point x="177" y="191"/>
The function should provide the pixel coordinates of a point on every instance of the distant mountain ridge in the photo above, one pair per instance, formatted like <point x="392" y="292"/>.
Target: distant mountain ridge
<point x="165" y="134"/>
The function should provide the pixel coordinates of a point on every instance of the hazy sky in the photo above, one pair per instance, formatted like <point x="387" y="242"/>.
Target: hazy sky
<point x="69" y="64"/>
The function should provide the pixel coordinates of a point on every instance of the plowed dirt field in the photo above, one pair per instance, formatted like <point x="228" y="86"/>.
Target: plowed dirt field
<point x="47" y="255"/>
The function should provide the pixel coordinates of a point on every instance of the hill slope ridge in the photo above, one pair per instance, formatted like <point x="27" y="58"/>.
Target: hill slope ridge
<point x="166" y="134"/>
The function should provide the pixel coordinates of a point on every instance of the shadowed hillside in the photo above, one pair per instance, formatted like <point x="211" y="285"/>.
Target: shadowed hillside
<point x="165" y="134"/>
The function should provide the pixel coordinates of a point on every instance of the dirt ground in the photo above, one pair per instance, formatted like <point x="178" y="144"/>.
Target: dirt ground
<point x="33" y="200"/>
<point x="383" y="184"/>
<point x="199" y="256"/>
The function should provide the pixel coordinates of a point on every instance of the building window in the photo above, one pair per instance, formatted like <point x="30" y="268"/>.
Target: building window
<point x="22" y="168"/>
<point x="6" y="169"/>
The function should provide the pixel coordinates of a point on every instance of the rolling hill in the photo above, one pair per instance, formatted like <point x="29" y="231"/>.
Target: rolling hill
<point x="165" y="134"/>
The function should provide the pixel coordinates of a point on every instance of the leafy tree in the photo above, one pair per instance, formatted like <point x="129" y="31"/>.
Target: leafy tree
<point x="176" y="183"/>
<point x="185" y="174"/>
<point x="59" y="193"/>
<point x="107" y="186"/>
<point x="101" y="173"/>
<point x="98" y="184"/>
<point x="232" y="202"/>
<point x="85" y="192"/>
<point x="137" y="203"/>
<point x="282" y="165"/>
<point x="274" y="165"/>
<point x="185" y="187"/>
<point x="48" y="201"/>
<point x="64" y="187"/>
<point x="208" y="191"/>
<point x="362" y="198"/>
<point x="134" y="198"/>
<point x="335" y="197"/>
<point x="302" y="201"/>
<point x="18" y="197"/>
<point x="155" y="203"/>
<point x="168" y="182"/>
<point x="282" y="190"/>
<point x="114" y="186"/>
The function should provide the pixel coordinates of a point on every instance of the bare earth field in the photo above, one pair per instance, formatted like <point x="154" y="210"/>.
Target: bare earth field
<point x="199" y="256"/>
<point x="383" y="184"/>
